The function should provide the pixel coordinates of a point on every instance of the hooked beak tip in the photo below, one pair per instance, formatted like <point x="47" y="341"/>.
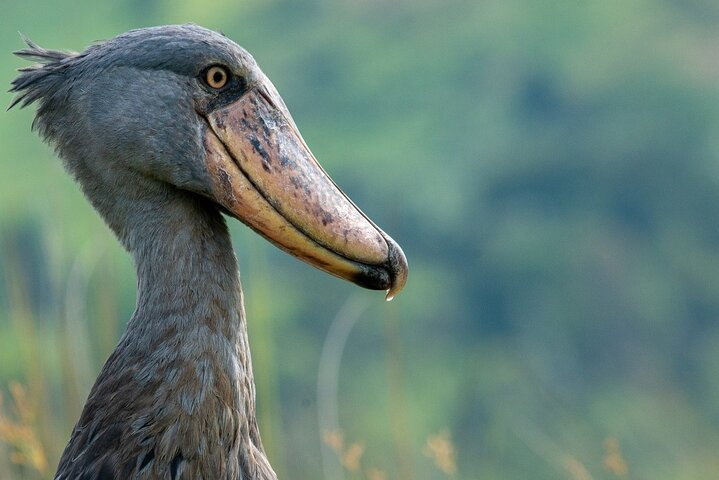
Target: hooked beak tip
<point x="398" y="268"/>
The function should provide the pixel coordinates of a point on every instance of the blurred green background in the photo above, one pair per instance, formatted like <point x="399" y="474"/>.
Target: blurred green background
<point x="551" y="170"/>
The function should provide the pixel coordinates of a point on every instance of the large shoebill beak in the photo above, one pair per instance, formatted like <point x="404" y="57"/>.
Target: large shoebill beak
<point x="264" y="175"/>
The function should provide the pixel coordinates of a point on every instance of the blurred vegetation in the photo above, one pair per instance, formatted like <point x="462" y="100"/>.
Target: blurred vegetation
<point x="551" y="170"/>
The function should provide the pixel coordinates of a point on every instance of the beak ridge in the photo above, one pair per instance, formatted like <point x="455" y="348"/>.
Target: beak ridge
<point x="265" y="175"/>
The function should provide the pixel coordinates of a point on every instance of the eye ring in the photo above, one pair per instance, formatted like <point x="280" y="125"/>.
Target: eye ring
<point x="216" y="77"/>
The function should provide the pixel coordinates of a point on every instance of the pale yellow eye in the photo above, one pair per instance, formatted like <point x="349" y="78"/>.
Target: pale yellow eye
<point x="216" y="77"/>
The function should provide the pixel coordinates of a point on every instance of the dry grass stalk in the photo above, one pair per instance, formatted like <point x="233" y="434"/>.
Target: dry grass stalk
<point x="576" y="469"/>
<point x="18" y="430"/>
<point x="440" y="448"/>
<point x="350" y="456"/>
<point x="613" y="458"/>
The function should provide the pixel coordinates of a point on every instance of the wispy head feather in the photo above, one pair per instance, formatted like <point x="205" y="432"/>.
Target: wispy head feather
<point x="39" y="81"/>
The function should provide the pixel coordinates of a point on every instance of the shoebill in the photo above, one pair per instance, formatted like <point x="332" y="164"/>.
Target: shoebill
<point x="166" y="129"/>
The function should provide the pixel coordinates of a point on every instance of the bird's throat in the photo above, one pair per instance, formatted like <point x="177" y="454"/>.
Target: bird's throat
<point x="181" y="376"/>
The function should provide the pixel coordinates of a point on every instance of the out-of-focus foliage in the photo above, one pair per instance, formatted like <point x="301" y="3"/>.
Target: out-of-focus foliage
<point x="552" y="171"/>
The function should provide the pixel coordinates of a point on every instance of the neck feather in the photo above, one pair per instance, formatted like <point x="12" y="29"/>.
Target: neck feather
<point x="177" y="395"/>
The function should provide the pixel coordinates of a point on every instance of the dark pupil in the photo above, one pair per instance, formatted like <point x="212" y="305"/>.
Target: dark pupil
<point x="217" y="77"/>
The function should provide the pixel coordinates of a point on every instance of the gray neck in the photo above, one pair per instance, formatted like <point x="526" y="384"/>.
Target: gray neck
<point x="182" y="370"/>
<point x="187" y="274"/>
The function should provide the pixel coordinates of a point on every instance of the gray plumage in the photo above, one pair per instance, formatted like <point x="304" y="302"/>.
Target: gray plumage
<point x="176" y="398"/>
<point x="161" y="148"/>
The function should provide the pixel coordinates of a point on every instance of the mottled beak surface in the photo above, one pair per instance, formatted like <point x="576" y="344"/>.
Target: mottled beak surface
<point x="264" y="174"/>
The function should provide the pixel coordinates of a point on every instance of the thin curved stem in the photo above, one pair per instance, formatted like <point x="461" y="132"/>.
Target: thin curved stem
<point x="328" y="378"/>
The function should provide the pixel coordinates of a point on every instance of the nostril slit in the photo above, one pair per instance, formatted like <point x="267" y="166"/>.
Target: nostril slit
<point x="262" y="90"/>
